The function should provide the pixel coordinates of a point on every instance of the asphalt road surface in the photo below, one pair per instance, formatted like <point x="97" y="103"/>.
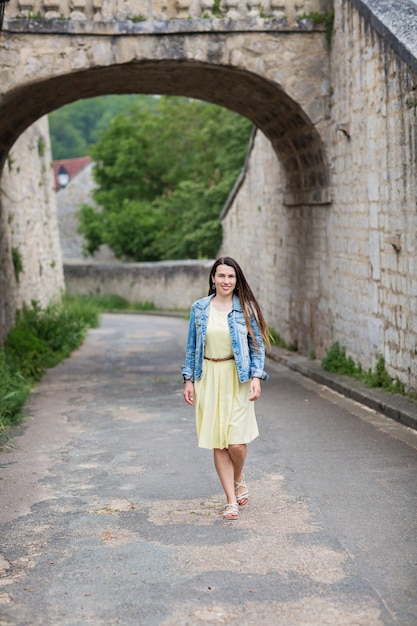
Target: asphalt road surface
<point x="110" y="514"/>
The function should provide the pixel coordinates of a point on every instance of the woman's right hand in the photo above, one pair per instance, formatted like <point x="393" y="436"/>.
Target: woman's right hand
<point x="189" y="392"/>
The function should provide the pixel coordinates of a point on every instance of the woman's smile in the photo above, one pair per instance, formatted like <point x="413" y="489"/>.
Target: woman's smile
<point x="224" y="279"/>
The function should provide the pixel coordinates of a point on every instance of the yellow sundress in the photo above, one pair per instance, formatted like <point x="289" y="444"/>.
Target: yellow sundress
<point x="224" y="413"/>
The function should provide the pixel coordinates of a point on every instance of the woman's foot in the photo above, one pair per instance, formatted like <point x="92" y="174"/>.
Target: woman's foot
<point x="241" y="492"/>
<point x="231" y="511"/>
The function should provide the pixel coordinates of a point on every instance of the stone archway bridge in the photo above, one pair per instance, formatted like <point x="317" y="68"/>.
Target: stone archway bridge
<point x="267" y="61"/>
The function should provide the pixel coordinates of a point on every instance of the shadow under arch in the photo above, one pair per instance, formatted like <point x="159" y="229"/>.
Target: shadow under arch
<point x="294" y="138"/>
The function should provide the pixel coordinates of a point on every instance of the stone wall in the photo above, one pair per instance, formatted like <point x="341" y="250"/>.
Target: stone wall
<point x="374" y="220"/>
<point x="29" y="229"/>
<point x="8" y="289"/>
<point x="173" y="285"/>
<point x="346" y="272"/>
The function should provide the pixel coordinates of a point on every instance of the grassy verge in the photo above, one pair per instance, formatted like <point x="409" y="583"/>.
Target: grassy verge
<point x="336" y="361"/>
<point x="111" y="303"/>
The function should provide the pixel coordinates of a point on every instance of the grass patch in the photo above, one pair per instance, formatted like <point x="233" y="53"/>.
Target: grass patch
<point x="276" y="340"/>
<point x="216" y="8"/>
<point x="40" y="339"/>
<point x="336" y="361"/>
<point x="111" y="303"/>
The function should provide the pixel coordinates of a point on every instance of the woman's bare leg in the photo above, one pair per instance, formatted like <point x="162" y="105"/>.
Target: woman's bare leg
<point x="229" y="464"/>
<point x="238" y="456"/>
<point x="238" y="453"/>
<point x="225" y="470"/>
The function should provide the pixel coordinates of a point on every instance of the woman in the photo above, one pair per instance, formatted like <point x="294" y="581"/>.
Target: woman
<point x="224" y="366"/>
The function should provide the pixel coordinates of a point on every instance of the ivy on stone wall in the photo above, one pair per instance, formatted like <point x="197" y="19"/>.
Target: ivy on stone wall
<point x="17" y="263"/>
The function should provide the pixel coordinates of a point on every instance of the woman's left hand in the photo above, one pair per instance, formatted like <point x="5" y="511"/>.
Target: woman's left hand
<point x="189" y="392"/>
<point x="255" y="389"/>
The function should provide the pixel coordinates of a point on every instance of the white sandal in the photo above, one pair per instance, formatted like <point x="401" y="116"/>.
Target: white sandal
<point x="242" y="498"/>
<point x="231" y="511"/>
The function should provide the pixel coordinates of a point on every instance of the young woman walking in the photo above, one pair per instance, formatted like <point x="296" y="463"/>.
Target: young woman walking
<point x="224" y="366"/>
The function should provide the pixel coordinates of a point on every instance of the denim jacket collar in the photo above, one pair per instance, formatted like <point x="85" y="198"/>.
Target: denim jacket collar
<point x="205" y="302"/>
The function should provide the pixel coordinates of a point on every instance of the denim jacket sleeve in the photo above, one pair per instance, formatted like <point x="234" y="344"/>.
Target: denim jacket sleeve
<point x="257" y="353"/>
<point x="189" y="365"/>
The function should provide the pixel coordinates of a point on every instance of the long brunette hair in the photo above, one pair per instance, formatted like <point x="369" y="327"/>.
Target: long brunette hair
<point x="248" y="301"/>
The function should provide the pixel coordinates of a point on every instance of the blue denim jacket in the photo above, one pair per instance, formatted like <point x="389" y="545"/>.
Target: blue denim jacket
<point x="249" y="358"/>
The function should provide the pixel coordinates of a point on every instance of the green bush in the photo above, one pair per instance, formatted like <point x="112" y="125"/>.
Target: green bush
<point x="43" y="338"/>
<point x="337" y="361"/>
<point x="380" y="378"/>
<point x="14" y="390"/>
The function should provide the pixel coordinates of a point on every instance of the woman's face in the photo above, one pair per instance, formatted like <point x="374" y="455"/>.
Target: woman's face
<point x="224" y="280"/>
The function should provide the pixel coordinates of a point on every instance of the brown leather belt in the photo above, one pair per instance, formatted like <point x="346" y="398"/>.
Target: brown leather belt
<point x="226" y="358"/>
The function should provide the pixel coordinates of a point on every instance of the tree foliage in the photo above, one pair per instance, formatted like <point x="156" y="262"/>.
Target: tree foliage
<point x="76" y="126"/>
<point x="163" y="175"/>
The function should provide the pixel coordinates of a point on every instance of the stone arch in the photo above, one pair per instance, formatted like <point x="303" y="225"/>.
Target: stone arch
<point x="292" y="134"/>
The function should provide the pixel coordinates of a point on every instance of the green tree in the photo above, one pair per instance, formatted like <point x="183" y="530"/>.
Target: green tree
<point x="162" y="178"/>
<point x="76" y="126"/>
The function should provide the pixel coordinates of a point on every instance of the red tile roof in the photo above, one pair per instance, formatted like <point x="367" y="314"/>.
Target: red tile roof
<point x="73" y="166"/>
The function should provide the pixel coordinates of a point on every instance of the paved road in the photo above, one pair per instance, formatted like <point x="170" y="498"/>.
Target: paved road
<point x="110" y="514"/>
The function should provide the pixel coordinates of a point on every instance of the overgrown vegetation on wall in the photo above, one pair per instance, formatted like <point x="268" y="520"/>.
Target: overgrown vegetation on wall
<point x="336" y="361"/>
<point x="17" y="263"/>
<point x="327" y="19"/>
